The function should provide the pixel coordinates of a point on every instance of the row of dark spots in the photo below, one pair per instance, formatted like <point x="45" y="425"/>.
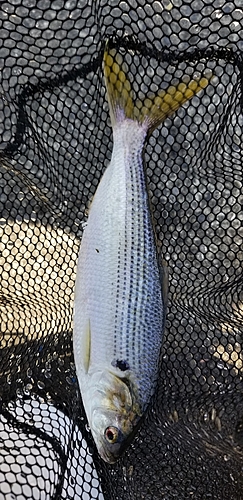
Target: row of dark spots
<point x="138" y="185"/>
<point x="121" y="290"/>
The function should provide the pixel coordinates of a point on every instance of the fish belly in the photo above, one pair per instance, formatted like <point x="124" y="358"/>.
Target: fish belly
<point x="118" y="296"/>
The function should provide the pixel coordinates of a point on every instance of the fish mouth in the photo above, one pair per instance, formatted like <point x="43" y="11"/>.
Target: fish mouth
<point x="111" y="453"/>
<point x="108" y="457"/>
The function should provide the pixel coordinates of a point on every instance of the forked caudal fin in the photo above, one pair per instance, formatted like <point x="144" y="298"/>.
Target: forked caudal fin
<point x="155" y="108"/>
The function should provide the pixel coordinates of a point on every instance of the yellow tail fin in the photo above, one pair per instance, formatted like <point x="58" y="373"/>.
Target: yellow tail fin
<point x="155" y="108"/>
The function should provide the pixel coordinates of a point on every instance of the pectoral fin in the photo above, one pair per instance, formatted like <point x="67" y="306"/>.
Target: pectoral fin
<point x="87" y="347"/>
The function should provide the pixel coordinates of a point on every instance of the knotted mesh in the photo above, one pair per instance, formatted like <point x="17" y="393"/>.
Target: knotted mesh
<point x="56" y="142"/>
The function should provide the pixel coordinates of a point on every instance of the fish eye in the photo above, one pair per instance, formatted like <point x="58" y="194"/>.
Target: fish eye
<point x="111" y="434"/>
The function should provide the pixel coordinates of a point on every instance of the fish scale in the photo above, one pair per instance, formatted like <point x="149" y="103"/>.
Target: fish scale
<point x="139" y="275"/>
<point x="128" y="282"/>
<point x="119" y="307"/>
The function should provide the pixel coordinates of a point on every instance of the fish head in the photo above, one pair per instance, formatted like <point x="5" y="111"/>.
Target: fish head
<point x="113" y="415"/>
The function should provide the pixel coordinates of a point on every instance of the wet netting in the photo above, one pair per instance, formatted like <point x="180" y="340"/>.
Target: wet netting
<point x="56" y="141"/>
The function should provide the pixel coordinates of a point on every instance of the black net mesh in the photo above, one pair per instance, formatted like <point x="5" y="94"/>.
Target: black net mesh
<point x="55" y="144"/>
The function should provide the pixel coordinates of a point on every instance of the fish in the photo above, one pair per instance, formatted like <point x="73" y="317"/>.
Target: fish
<point x="121" y="282"/>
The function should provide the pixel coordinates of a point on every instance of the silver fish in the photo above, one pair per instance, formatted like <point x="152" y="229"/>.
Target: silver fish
<point x="120" y="302"/>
